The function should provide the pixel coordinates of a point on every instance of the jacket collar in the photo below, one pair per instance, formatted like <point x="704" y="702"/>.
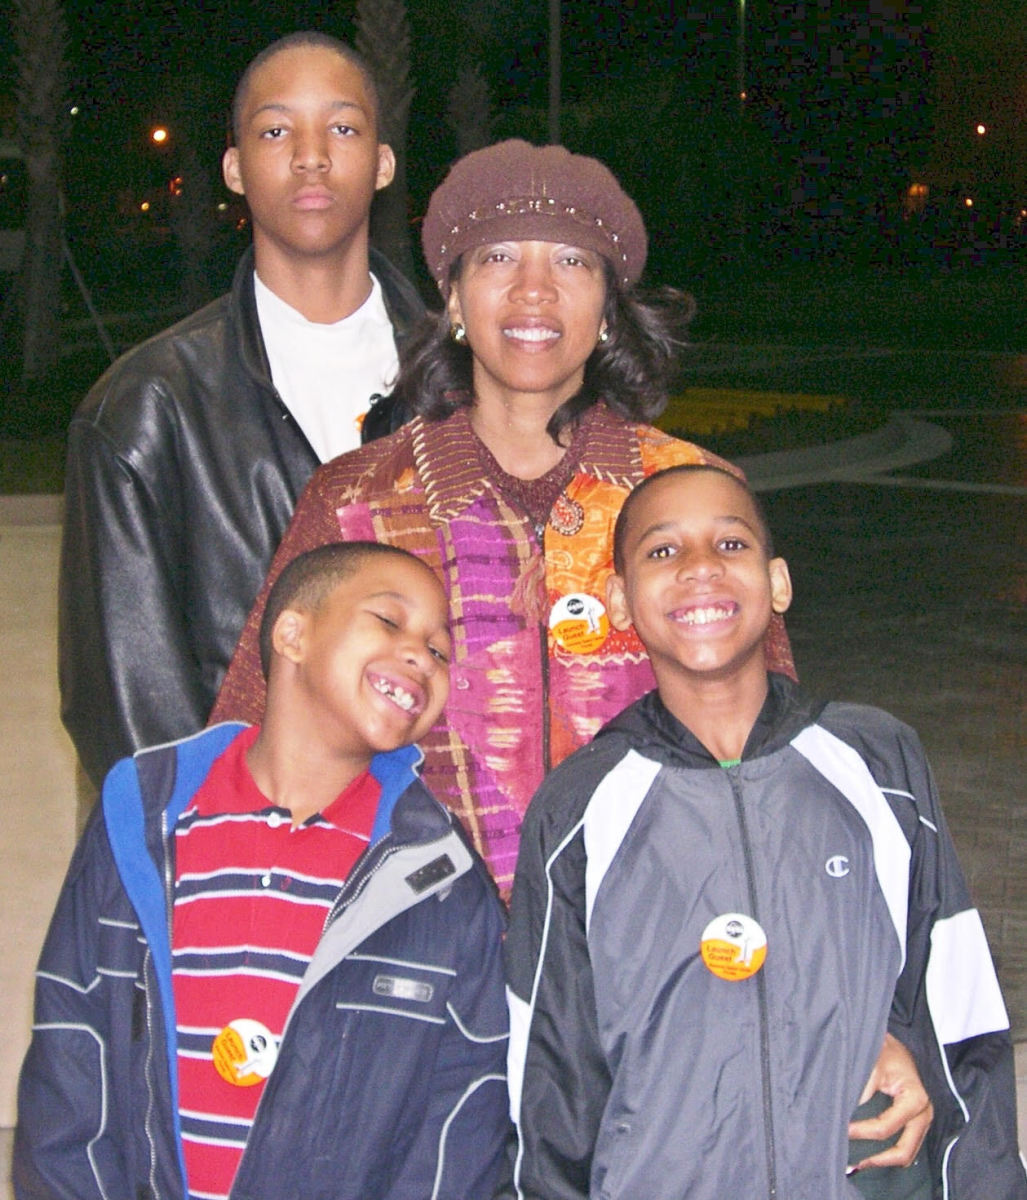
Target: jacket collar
<point x="247" y="325"/>
<point x="651" y="726"/>
<point x="402" y="301"/>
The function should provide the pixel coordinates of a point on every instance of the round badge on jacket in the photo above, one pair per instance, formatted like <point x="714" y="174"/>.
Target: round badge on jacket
<point x="733" y="946"/>
<point x="244" y="1052"/>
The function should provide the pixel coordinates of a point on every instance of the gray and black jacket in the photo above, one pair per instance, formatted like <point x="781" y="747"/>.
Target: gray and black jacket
<point x="389" y="1082"/>
<point x="636" y="1072"/>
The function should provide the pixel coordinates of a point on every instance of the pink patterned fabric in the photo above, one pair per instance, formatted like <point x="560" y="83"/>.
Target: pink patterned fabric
<point x="519" y="702"/>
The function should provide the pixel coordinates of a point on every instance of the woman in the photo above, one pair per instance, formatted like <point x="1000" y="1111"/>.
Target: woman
<point x="531" y="394"/>
<point x="529" y="391"/>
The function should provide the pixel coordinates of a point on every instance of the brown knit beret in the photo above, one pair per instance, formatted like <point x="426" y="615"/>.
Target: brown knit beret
<point x="519" y="192"/>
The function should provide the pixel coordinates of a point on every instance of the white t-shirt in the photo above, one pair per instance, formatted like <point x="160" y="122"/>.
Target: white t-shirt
<point x="327" y="374"/>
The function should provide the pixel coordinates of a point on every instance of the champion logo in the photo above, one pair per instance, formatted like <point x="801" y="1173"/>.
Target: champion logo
<point x="837" y="866"/>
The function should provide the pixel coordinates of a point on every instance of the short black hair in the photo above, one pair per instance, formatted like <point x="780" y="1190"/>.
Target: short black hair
<point x="304" y="37"/>
<point x="620" y="529"/>
<point x="308" y="580"/>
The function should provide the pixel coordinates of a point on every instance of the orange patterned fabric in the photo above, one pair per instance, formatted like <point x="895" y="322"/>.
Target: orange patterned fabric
<point x="522" y="695"/>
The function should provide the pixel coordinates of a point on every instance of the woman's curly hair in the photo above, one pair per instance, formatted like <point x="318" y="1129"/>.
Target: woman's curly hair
<point x="630" y="372"/>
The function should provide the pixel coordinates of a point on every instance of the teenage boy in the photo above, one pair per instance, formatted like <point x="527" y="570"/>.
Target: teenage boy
<point x="723" y="903"/>
<point x="275" y="967"/>
<point x="186" y="458"/>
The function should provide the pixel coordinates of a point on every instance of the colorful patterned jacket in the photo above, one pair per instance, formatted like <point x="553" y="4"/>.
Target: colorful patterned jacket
<point x="536" y="668"/>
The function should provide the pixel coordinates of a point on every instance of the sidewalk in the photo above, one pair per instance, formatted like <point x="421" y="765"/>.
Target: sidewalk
<point x="37" y="765"/>
<point x="37" y="769"/>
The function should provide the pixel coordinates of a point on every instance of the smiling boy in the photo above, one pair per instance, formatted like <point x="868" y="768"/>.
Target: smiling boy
<point x="724" y="902"/>
<point x="186" y="459"/>
<point x="275" y="966"/>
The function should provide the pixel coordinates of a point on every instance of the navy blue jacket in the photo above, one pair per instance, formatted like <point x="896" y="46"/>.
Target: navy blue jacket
<point x="390" y="1078"/>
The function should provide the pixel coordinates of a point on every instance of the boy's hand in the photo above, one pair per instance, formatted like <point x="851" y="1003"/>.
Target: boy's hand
<point x="911" y="1110"/>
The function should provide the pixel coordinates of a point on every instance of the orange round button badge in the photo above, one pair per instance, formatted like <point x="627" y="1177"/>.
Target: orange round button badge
<point x="579" y="623"/>
<point x="244" y="1052"/>
<point x="733" y="946"/>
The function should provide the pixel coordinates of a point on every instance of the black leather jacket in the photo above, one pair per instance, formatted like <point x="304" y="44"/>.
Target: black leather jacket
<point x="184" y="466"/>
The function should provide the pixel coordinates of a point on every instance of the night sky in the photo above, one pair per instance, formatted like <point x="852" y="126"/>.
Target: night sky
<point x="842" y="106"/>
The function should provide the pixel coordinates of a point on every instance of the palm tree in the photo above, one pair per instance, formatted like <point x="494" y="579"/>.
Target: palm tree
<point x="469" y="112"/>
<point x="41" y="40"/>
<point x="383" y="38"/>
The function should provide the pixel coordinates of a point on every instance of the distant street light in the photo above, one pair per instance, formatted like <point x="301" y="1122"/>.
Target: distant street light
<point x="159" y="135"/>
<point x="982" y="130"/>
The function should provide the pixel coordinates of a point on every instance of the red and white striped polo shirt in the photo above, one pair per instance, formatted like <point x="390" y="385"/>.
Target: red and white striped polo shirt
<point x="251" y="897"/>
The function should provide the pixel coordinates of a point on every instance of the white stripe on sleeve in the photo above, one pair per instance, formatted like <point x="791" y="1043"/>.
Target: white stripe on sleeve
<point x="610" y="812"/>
<point x="962" y="991"/>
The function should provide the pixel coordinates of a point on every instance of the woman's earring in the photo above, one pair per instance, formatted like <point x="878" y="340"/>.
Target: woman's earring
<point x="604" y="336"/>
<point x="458" y="333"/>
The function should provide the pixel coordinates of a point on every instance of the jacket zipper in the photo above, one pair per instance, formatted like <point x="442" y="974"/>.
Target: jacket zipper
<point x="169" y="908"/>
<point x="169" y="881"/>
<point x="761" y="998"/>
<point x="149" y="1069"/>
